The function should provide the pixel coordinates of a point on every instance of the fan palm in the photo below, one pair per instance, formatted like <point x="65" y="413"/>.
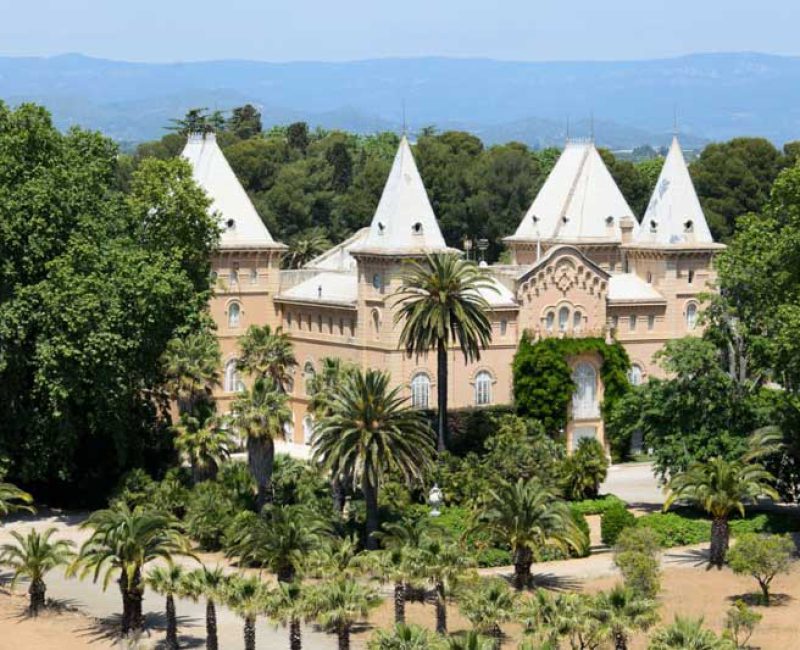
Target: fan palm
<point x="584" y="470"/>
<point x="403" y="637"/>
<point x="169" y="581"/>
<point x="340" y="556"/>
<point x="443" y="564"/>
<point x="209" y="583"/>
<point x="32" y="557"/>
<point x="687" y="634"/>
<point x="339" y="604"/>
<point x="624" y="612"/>
<point x="529" y="517"/>
<point x="12" y="499"/>
<point x="261" y="415"/>
<point x="368" y="432"/>
<point x="488" y="605"/>
<point x="122" y="542"/>
<point x="279" y="539"/>
<point x="552" y="616"/>
<point x="287" y="605"/>
<point x="470" y="640"/>
<point x="206" y="445"/>
<point x="249" y="598"/>
<point x="440" y="302"/>
<point x="191" y="368"/>
<point x="306" y="246"/>
<point x="267" y="354"/>
<point x="721" y="487"/>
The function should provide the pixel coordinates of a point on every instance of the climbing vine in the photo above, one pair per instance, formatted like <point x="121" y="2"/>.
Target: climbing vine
<point x="543" y="384"/>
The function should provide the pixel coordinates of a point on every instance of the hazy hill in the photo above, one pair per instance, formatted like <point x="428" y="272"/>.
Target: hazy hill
<point x="717" y="96"/>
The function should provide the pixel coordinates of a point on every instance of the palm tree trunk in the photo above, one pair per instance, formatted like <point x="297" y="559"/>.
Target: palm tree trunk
<point x="371" y="501"/>
<point x="249" y="633"/>
<point x="441" y="392"/>
<point x="295" y="638"/>
<point x="441" y="609"/>
<point x="620" y="641"/>
<point x="343" y="634"/>
<point x="260" y="459"/>
<point x="399" y="603"/>
<point x="523" y="558"/>
<point x="211" y="626"/>
<point x="497" y="636"/>
<point x="285" y="573"/>
<point x="720" y="535"/>
<point x="172" y="624"/>
<point x="37" y="592"/>
<point x="337" y="490"/>
<point x="132" y="619"/>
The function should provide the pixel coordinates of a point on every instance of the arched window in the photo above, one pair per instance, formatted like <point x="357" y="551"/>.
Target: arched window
<point x="483" y="388"/>
<point x="234" y="314"/>
<point x="308" y="429"/>
<point x="233" y="382"/>
<point x="377" y="281"/>
<point x="577" y="321"/>
<point x="563" y="319"/>
<point x="691" y="315"/>
<point x="635" y="375"/>
<point x="549" y="320"/>
<point x="420" y="391"/>
<point x="584" y="400"/>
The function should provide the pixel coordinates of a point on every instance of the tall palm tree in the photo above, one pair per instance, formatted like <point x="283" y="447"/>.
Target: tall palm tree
<point x="687" y="634"/>
<point x="443" y="564"/>
<point x="205" y="444"/>
<point x="169" y="581"/>
<point x="368" y="432"/>
<point x="288" y="605"/>
<point x="249" y="598"/>
<point x="488" y="605"/>
<point x="441" y="302"/>
<point x="624" y="612"/>
<point x="32" y="557"/>
<point x="210" y="584"/>
<point x="122" y="542"/>
<point x="721" y="487"/>
<point x="530" y="518"/>
<point x="12" y="499"/>
<point x="280" y="539"/>
<point x="267" y="354"/>
<point x="261" y="415"/>
<point x="191" y="367"/>
<point x="403" y="637"/>
<point x="338" y="604"/>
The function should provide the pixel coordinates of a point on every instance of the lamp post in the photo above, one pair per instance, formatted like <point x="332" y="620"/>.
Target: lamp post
<point x="435" y="500"/>
<point x="483" y="244"/>
<point x="467" y="246"/>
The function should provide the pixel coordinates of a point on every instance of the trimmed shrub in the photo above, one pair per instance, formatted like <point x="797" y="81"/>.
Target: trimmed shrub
<point x="597" y="506"/>
<point x="636" y="556"/>
<point x="614" y="520"/>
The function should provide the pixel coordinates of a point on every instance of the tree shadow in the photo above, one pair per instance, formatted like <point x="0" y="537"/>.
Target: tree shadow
<point x="696" y="557"/>
<point x="50" y="515"/>
<point x="554" y="582"/>
<point x="753" y="599"/>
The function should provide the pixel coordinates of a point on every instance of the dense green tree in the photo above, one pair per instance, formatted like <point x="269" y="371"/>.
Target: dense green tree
<point x="297" y="136"/>
<point x="245" y="121"/>
<point x="305" y="246"/>
<point x="440" y="305"/>
<point x="762" y="557"/>
<point x="635" y="187"/>
<point x="93" y="285"/>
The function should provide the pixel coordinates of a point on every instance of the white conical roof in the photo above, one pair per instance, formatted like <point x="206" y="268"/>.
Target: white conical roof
<point x="404" y="221"/>
<point x="674" y="215"/>
<point x="578" y="202"/>
<point x="241" y="225"/>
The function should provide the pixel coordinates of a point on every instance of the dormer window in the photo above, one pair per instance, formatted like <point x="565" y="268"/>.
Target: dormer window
<point x="653" y="225"/>
<point x="535" y="218"/>
<point x="381" y="227"/>
<point x="609" y="220"/>
<point x="417" y="228"/>
<point x="688" y="226"/>
<point x="564" y="219"/>
<point x="230" y="224"/>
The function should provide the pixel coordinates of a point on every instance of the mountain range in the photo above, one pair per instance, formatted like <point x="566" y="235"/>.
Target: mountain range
<point x="622" y="103"/>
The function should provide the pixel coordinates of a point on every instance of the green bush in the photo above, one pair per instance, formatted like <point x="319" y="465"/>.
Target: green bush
<point x="580" y="521"/>
<point x="239" y="485"/>
<point x="614" y="520"/>
<point x="584" y="470"/>
<point x="597" y="506"/>
<point x="208" y="514"/>
<point x="636" y="556"/>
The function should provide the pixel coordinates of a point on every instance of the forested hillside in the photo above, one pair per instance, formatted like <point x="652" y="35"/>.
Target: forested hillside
<point x="314" y="188"/>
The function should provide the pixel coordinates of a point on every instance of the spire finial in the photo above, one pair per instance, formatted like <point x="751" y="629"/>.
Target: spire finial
<point x="675" y="120"/>
<point x="567" y="129"/>
<point x="405" y="126"/>
<point x="591" y="127"/>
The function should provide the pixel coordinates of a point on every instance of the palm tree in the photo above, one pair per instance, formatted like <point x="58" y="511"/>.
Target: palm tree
<point x="469" y="640"/>
<point x="443" y="564"/>
<point x="403" y="637"/>
<point x="306" y="246"/>
<point x="169" y="581"/>
<point x="687" y="634"/>
<point x="261" y="415"/>
<point x="191" y="368"/>
<point x="287" y="605"/>
<point x="248" y="597"/>
<point x="368" y="432"/>
<point x="122" y="542"/>
<point x="206" y="445"/>
<point x="340" y="556"/>
<point x="584" y="470"/>
<point x="267" y="354"/>
<point x="339" y="604"/>
<point x="32" y="557"/>
<point x="552" y="616"/>
<point x="623" y="612"/>
<point x="721" y="487"/>
<point x="530" y="517"/>
<point x="209" y="583"/>
<point x="12" y="499"/>
<point x="488" y="605"/>
<point x="280" y="539"/>
<point x="441" y="302"/>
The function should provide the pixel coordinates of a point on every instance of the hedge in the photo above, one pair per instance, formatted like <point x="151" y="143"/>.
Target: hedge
<point x="596" y="506"/>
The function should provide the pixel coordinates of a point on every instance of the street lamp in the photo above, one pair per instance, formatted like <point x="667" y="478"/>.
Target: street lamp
<point x="483" y="244"/>
<point x="467" y="245"/>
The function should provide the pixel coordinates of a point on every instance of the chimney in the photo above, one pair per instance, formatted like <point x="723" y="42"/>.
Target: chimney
<point x="626" y="226"/>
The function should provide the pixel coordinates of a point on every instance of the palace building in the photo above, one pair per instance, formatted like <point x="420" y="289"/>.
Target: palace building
<point x="582" y="265"/>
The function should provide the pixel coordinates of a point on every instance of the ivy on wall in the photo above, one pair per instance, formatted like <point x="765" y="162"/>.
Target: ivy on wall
<point x="543" y="384"/>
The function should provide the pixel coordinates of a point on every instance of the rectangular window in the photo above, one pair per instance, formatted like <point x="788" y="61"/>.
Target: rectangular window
<point x="615" y="322"/>
<point x="503" y="327"/>
<point x="632" y="321"/>
<point x="651" y="321"/>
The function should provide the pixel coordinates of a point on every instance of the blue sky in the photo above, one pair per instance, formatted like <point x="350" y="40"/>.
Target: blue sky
<point x="182" y="30"/>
